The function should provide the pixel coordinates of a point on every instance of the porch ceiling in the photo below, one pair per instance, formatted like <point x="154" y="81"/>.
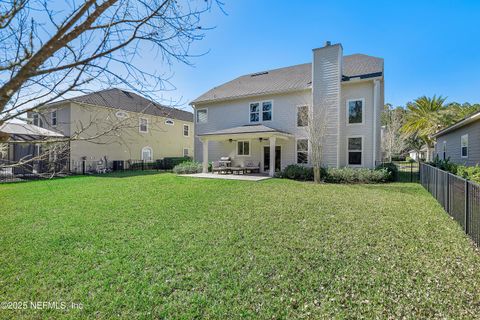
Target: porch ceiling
<point x="245" y="132"/>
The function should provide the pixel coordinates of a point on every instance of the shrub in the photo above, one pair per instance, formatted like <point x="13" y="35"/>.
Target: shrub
<point x="391" y="168"/>
<point x="144" y="165"/>
<point x="470" y="173"/>
<point x="351" y="175"/>
<point x="445" y="165"/>
<point x="409" y="159"/>
<point x="188" y="167"/>
<point x="297" y="172"/>
<point x="169" y="162"/>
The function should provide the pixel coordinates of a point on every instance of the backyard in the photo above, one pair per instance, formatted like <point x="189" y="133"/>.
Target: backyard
<point x="160" y="246"/>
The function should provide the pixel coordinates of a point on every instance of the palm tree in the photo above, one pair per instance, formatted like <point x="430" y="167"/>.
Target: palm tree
<point x="426" y="116"/>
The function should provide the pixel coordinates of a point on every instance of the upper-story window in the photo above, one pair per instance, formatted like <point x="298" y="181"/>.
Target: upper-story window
<point x="169" y="122"/>
<point x="202" y="116"/>
<point x="355" y="111"/>
<point x="186" y="130"/>
<point x="261" y="111"/>
<point x="37" y="120"/>
<point x="464" y="145"/>
<point x="143" y="125"/>
<point x="53" y="118"/>
<point x="302" y="116"/>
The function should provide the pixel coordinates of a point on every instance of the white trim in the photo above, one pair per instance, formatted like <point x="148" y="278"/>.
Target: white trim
<point x="296" y="115"/>
<point x="362" y="160"/>
<point x="260" y="111"/>
<point x="151" y="153"/>
<point x="308" y="151"/>
<point x="196" y="114"/>
<point x="121" y="114"/>
<point x="376" y="97"/>
<point x="461" y="147"/>
<point x="140" y="125"/>
<point x="169" y="122"/>
<point x="183" y="131"/>
<point x="249" y="148"/>
<point x="347" y="109"/>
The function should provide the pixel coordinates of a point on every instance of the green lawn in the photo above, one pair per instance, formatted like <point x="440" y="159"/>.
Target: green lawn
<point x="161" y="246"/>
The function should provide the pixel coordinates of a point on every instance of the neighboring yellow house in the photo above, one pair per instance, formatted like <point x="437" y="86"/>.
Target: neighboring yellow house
<point x="118" y="125"/>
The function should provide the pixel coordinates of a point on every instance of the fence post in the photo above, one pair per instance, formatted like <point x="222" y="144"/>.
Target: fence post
<point x="447" y="201"/>
<point x="143" y="165"/>
<point x="411" y="171"/>
<point x="466" y="206"/>
<point x="83" y="166"/>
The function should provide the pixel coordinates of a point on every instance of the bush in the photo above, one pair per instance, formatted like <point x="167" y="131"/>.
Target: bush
<point x="168" y="163"/>
<point x="470" y="173"/>
<point x="144" y="165"/>
<point x="351" y="175"/>
<point x="188" y="167"/>
<point x="391" y="168"/>
<point x="409" y="159"/>
<point x="445" y="165"/>
<point x="297" y="172"/>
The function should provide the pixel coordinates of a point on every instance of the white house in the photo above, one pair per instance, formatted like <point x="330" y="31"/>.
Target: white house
<point x="258" y="117"/>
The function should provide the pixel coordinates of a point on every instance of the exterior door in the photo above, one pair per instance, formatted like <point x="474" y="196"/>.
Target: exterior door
<point x="266" y="158"/>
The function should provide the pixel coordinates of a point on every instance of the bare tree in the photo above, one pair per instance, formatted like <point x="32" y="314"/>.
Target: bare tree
<point x="394" y="140"/>
<point x="316" y="133"/>
<point x="47" y="51"/>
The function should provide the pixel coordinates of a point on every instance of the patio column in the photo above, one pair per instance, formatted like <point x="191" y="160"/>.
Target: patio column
<point x="205" y="155"/>
<point x="272" y="156"/>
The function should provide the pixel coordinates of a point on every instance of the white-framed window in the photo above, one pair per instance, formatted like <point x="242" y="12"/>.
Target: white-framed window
<point x="37" y="119"/>
<point x="169" y="122"/>
<point x="261" y="111"/>
<point x="464" y="145"/>
<point x="185" y="152"/>
<point x="121" y="114"/>
<point x="202" y="116"/>
<point x="302" y="116"/>
<point x="243" y="148"/>
<point x="143" y="124"/>
<point x="355" y="111"/>
<point x="302" y="151"/>
<point x="147" y="154"/>
<point x="354" y="151"/>
<point x="186" y="130"/>
<point x="53" y="118"/>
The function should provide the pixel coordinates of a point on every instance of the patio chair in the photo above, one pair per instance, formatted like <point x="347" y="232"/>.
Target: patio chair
<point x="252" y="167"/>
<point x="219" y="167"/>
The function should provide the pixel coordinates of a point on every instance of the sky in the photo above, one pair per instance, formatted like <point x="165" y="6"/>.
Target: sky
<point x="429" y="47"/>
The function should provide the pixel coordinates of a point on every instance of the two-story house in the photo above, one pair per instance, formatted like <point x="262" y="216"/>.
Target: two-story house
<point x="259" y="117"/>
<point x="118" y="125"/>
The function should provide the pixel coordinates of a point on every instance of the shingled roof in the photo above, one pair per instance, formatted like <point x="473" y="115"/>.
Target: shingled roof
<point x="287" y="79"/>
<point x="129" y="101"/>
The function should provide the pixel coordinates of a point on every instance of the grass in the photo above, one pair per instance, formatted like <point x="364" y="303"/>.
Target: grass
<point x="161" y="246"/>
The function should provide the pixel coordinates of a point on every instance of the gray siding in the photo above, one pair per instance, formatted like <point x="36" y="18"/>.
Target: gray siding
<point x="453" y="145"/>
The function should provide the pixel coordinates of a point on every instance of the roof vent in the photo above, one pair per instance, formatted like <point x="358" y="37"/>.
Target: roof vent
<point x="328" y="43"/>
<point x="259" y="74"/>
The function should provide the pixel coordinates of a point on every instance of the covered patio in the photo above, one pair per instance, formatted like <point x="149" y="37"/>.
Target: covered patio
<point x="244" y="136"/>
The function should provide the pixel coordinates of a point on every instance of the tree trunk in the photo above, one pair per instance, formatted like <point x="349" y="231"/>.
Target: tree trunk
<point x="316" y="174"/>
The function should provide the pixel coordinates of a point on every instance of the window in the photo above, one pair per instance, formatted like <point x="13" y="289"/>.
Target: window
<point x="202" y="116"/>
<point x="302" y="116"/>
<point x="302" y="151"/>
<point x="464" y="145"/>
<point x="355" y="151"/>
<point x="147" y="154"/>
<point x="263" y="114"/>
<point x="169" y="122"/>
<point x="444" y="150"/>
<point x="185" y="152"/>
<point x="143" y="125"/>
<point x="355" y="111"/>
<point x="186" y="130"/>
<point x="121" y="114"/>
<point x="267" y="111"/>
<point x="243" y="148"/>
<point x="53" y="118"/>
<point x="37" y="120"/>
<point x="254" y="112"/>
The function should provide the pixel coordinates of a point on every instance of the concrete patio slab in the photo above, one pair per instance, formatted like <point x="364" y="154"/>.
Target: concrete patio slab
<point x="244" y="177"/>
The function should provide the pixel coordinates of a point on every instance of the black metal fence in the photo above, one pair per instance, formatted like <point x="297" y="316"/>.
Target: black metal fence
<point x="406" y="171"/>
<point x="458" y="196"/>
<point x="13" y="172"/>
